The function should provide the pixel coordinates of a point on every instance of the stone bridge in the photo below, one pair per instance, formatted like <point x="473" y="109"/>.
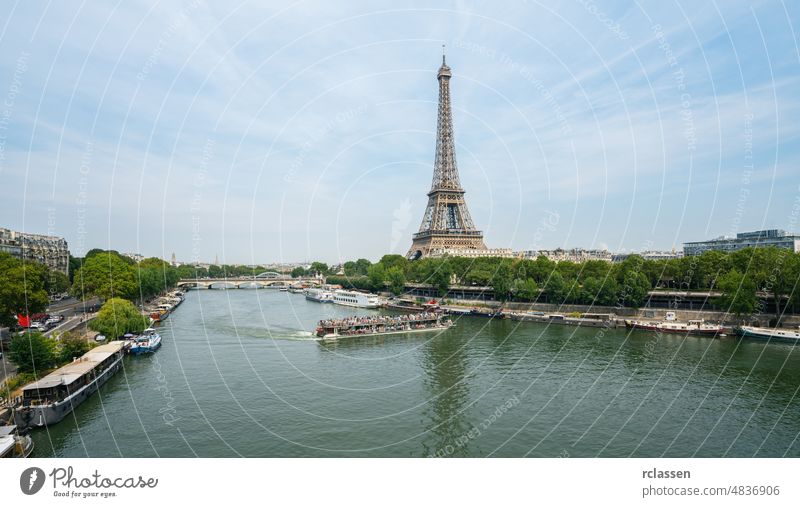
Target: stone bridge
<point x="244" y="282"/>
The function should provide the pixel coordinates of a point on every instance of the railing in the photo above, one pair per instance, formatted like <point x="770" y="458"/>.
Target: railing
<point x="463" y="232"/>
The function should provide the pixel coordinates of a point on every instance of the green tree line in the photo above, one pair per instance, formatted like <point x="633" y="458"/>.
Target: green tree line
<point x="738" y="275"/>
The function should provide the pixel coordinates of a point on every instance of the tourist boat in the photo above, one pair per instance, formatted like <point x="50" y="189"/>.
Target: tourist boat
<point x="668" y="326"/>
<point x="54" y="396"/>
<point x="319" y="295"/>
<point x="356" y="299"/>
<point x="768" y="333"/>
<point x="334" y="329"/>
<point x="14" y="445"/>
<point x="146" y="343"/>
<point x="284" y="289"/>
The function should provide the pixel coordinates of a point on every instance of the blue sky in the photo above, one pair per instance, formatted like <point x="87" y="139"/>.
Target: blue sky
<point x="273" y="131"/>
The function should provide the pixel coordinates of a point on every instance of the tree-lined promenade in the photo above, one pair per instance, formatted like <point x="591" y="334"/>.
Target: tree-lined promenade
<point x="738" y="276"/>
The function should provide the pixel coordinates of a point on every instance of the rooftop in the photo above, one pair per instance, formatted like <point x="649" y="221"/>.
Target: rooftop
<point x="74" y="370"/>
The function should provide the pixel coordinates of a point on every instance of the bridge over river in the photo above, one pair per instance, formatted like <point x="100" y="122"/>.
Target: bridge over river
<point x="244" y="282"/>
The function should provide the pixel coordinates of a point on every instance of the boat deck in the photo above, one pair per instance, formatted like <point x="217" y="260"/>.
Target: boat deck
<point x="74" y="370"/>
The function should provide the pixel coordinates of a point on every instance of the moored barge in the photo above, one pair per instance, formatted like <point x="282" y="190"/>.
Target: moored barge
<point x="698" y="327"/>
<point x="51" y="398"/>
<point x="769" y="334"/>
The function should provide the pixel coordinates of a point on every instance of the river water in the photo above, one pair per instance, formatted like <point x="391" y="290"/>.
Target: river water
<point x="240" y="375"/>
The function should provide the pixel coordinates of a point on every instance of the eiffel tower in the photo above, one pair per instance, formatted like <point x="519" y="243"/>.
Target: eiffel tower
<point x="446" y="224"/>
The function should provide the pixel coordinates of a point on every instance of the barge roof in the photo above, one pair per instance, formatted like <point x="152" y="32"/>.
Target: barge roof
<point x="74" y="370"/>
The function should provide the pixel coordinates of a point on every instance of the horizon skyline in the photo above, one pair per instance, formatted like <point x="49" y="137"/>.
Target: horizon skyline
<point x="179" y="134"/>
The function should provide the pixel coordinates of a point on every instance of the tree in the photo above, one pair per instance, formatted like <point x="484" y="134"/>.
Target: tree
<point x="116" y="317"/>
<point x="362" y="265"/>
<point x="32" y="352"/>
<point x="393" y="260"/>
<point x="599" y="292"/>
<point x="738" y="293"/>
<point x="633" y="290"/>
<point x="555" y="288"/>
<point x="22" y="289"/>
<point x="781" y="276"/>
<point x="74" y="265"/>
<point x="319" y="268"/>
<point x="397" y="279"/>
<point x="105" y="275"/>
<point x="298" y="272"/>
<point x="441" y="276"/>
<point x="155" y="276"/>
<point x="501" y="281"/>
<point x="71" y="346"/>
<point x="377" y="276"/>
<point x="56" y="282"/>
<point x="526" y="289"/>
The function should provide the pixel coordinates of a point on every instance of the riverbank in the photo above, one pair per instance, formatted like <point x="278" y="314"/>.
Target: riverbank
<point x="620" y="314"/>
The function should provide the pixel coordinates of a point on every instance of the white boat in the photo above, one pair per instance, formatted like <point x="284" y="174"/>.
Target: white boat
<point x="319" y="295"/>
<point x="356" y="299"/>
<point x="768" y="333"/>
<point x="149" y="341"/>
<point x="14" y="445"/>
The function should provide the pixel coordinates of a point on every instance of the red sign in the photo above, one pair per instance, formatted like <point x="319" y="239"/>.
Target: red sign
<point x="24" y="320"/>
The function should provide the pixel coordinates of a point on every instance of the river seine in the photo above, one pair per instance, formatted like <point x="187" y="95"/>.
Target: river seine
<point x="240" y="375"/>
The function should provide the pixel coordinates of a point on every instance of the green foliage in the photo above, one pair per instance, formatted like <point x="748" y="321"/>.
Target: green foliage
<point x="397" y="279"/>
<point x="56" y="282"/>
<point x="116" y="317"/>
<point x="350" y="282"/>
<point x="633" y="289"/>
<point x="33" y="352"/>
<point x="155" y="276"/>
<point x="556" y="288"/>
<point x="502" y="280"/>
<point x="775" y="271"/>
<point x="187" y="271"/>
<point x="738" y="293"/>
<point x="71" y="346"/>
<point x="377" y="276"/>
<point x="597" y="291"/>
<point x="16" y="381"/>
<point x="298" y="272"/>
<point x="74" y="265"/>
<point x="394" y="260"/>
<point x="526" y="290"/>
<point x="22" y="289"/>
<point x="105" y="275"/>
<point x="319" y="268"/>
<point x="357" y="268"/>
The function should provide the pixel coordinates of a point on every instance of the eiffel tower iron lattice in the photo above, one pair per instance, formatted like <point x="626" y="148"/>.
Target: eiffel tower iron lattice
<point x="446" y="224"/>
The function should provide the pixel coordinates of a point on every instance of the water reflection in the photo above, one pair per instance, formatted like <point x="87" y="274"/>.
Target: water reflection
<point x="445" y="365"/>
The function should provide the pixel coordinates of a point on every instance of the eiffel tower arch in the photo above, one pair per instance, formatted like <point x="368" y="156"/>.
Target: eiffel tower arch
<point x="446" y="224"/>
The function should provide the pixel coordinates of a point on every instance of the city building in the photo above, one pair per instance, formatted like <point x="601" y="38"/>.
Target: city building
<point x="770" y="237"/>
<point x="137" y="258"/>
<point x="51" y="251"/>
<point x="475" y="253"/>
<point x="572" y="255"/>
<point x="446" y="224"/>
<point x="649" y="255"/>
